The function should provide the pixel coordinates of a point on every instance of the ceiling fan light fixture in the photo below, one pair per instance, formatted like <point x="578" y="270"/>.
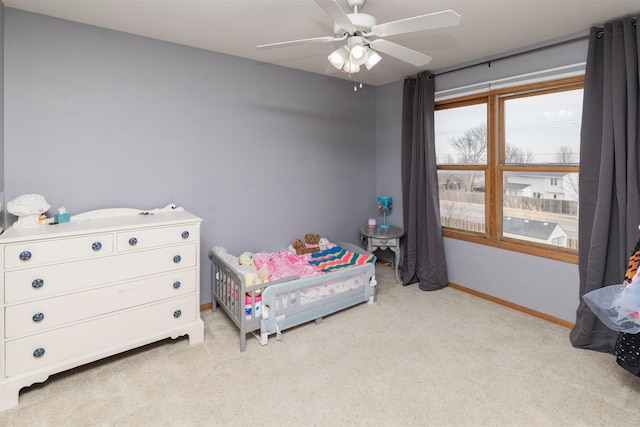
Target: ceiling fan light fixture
<point x="351" y="68"/>
<point x="339" y="57"/>
<point x="357" y="51"/>
<point x="372" y="58"/>
<point x="358" y="54"/>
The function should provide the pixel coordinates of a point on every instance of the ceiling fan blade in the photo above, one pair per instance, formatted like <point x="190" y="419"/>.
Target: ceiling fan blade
<point x="334" y="10"/>
<point x="402" y="53"/>
<point x="431" y="21"/>
<point x="325" y="39"/>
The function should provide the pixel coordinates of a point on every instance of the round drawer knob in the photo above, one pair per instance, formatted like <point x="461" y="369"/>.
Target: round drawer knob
<point x="177" y="313"/>
<point x="185" y="234"/>
<point x="177" y="259"/>
<point x="37" y="283"/>
<point x="38" y="317"/>
<point x="96" y="246"/>
<point x="177" y="284"/>
<point x="133" y="241"/>
<point x="38" y="352"/>
<point x="25" y="256"/>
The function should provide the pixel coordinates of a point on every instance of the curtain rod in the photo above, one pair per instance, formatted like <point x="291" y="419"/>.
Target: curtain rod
<point x="523" y="52"/>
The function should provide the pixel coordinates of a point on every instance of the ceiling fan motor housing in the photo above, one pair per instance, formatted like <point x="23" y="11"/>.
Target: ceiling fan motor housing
<point x="362" y="22"/>
<point x="355" y="3"/>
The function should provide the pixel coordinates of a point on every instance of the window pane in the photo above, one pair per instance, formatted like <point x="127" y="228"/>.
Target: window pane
<point x="462" y="199"/>
<point x="461" y="135"/>
<point x="543" y="129"/>
<point x="541" y="207"/>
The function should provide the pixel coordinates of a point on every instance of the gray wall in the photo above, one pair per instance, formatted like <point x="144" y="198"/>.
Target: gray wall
<point x="389" y="147"/>
<point x="99" y="119"/>
<point x="541" y="284"/>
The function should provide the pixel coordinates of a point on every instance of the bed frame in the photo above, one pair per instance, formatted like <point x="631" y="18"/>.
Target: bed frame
<point x="276" y="310"/>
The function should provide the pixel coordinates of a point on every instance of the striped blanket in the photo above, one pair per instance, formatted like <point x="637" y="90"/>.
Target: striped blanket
<point x="337" y="258"/>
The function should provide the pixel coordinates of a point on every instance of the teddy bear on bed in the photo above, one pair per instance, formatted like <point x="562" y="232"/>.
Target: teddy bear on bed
<point x="312" y="244"/>
<point x="300" y="248"/>
<point x="246" y="258"/>
<point x="262" y="274"/>
<point x="312" y="239"/>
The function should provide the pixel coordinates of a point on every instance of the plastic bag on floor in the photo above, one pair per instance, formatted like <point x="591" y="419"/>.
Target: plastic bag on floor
<point x="617" y="306"/>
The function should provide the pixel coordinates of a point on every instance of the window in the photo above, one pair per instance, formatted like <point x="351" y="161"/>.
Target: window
<point x="508" y="165"/>
<point x="461" y="139"/>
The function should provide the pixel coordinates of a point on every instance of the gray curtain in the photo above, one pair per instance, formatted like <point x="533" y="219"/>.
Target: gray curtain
<point x="424" y="260"/>
<point x="609" y="196"/>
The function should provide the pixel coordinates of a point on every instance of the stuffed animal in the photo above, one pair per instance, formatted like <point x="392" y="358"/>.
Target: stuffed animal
<point x="323" y="244"/>
<point x="227" y="257"/>
<point x="312" y="239"/>
<point x="253" y="277"/>
<point x="263" y="274"/>
<point x="298" y="246"/>
<point x="246" y="258"/>
<point x="250" y="275"/>
<point x="312" y="242"/>
<point x="301" y="248"/>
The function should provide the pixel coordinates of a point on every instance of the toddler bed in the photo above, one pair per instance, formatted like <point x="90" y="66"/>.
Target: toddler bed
<point x="342" y="277"/>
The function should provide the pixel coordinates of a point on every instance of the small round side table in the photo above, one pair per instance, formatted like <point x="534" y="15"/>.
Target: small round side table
<point x="384" y="238"/>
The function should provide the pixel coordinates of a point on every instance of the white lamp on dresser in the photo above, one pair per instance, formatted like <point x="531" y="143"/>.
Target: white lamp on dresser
<point x="106" y="282"/>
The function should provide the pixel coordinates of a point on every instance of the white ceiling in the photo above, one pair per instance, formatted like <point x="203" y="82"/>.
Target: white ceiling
<point x="236" y="27"/>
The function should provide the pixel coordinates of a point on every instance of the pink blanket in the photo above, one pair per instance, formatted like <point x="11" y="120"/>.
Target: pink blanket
<point x="285" y="264"/>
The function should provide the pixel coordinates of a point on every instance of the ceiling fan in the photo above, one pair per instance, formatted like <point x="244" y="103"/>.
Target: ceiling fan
<point x="362" y="34"/>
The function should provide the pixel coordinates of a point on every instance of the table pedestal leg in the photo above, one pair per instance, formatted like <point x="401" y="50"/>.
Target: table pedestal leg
<point x="396" y="251"/>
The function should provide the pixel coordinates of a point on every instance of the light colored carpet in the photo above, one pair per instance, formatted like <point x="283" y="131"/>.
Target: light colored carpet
<point x="443" y="358"/>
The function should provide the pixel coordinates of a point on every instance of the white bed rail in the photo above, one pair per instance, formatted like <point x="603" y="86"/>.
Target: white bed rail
<point x="276" y="317"/>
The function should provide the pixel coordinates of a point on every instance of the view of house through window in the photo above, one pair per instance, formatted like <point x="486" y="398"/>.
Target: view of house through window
<point x="508" y="165"/>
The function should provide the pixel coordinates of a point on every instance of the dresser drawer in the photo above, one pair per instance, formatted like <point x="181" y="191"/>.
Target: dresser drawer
<point x="384" y="242"/>
<point x="32" y="254"/>
<point x="36" y="316"/>
<point x="81" y="340"/>
<point x="47" y="281"/>
<point x="148" y="238"/>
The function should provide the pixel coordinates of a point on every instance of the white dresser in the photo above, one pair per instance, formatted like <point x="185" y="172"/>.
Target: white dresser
<point x="75" y="292"/>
